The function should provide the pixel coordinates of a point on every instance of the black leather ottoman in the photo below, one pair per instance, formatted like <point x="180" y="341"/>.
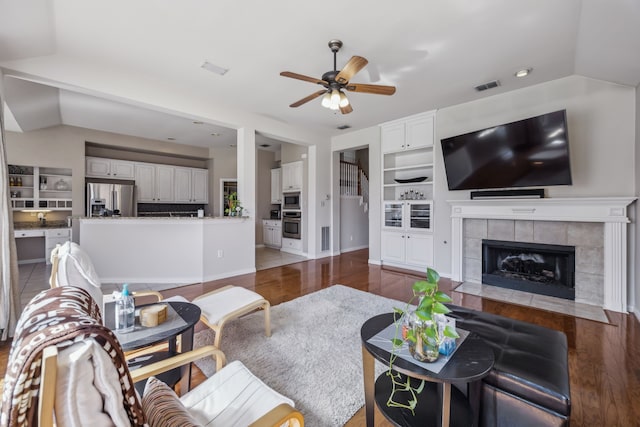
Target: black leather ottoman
<point x="529" y="383"/>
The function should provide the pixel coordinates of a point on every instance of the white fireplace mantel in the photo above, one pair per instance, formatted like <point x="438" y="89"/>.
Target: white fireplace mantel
<point x="612" y="211"/>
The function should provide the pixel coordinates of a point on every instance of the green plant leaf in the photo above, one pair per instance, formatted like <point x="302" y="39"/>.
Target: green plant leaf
<point x="424" y="314"/>
<point x="442" y="297"/>
<point x="440" y="308"/>
<point x="450" y="332"/>
<point x="430" y="332"/>
<point x="432" y="275"/>
<point x="398" y="310"/>
<point x="420" y="286"/>
<point x="426" y="303"/>
<point x="397" y="342"/>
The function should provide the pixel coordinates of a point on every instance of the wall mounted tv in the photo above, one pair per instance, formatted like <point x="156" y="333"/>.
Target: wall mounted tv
<point x="527" y="153"/>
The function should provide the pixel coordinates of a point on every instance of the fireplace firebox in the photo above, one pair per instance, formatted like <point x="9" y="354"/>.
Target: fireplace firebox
<point x="530" y="267"/>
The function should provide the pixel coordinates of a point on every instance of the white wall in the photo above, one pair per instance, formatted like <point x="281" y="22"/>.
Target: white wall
<point x="354" y="224"/>
<point x="264" y="162"/>
<point x="369" y="137"/>
<point x="634" y="288"/>
<point x="601" y="121"/>
<point x="224" y="165"/>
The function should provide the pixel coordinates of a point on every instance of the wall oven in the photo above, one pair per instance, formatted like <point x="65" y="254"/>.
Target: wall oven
<point x="291" y="227"/>
<point x="291" y="200"/>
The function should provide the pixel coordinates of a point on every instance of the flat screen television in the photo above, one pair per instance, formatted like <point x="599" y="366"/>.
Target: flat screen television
<point x="527" y="153"/>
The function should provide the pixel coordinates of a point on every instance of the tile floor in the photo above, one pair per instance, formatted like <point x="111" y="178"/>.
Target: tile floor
<point x="543" y="302"/>
<point x="35" y="277"/>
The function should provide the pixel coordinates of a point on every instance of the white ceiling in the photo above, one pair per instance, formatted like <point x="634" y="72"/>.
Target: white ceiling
<point x="134" y="67"/>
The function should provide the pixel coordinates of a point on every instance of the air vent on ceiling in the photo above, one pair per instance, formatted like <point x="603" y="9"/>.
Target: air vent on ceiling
<point x="343" y="127"/>
<point x="488" y="85"/>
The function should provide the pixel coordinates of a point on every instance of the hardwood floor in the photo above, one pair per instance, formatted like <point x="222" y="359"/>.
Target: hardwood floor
<point x="604" y="359"/>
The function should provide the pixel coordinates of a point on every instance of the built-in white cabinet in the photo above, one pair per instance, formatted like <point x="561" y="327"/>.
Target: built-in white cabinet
<point x="407" y="191"/>
<point x="292" y="176"/>
<point x="53" y="237"/>
<point x="191" y="185"/>
<point x="276" y="186"/>
<point x="109" y="168"/>
<point x="272" y="233"/>
<point x="410" y="215"/>
<point x="408" y="134"/>
<point x="154" y="183"/>
<point x="411" y="249"/>
<point x="34" y="187"/>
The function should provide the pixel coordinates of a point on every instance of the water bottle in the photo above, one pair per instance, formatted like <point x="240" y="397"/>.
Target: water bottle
<point x="125" y="311"/>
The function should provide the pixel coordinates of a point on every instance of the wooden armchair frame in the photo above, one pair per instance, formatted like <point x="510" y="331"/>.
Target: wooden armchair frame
<point x="46" y="407"/>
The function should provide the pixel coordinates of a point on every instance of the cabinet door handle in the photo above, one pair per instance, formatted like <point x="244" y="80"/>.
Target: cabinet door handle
<point x="408" y="237"/>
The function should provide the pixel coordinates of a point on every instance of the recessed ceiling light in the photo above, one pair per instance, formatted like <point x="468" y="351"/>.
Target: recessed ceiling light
<point x="171" y="139"/>
<point x="214" y="68"/>
<point x="215" y="134"/>
<point x="524" y="72"/>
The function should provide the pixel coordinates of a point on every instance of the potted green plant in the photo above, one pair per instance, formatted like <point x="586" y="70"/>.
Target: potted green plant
<point x="424" y="329"/>
<point x="235" y="207"/>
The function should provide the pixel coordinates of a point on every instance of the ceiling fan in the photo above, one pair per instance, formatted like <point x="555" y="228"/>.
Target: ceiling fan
<point x="335" y="81"/>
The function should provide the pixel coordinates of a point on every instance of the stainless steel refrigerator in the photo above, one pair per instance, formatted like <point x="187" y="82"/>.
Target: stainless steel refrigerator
<point x="110" y="197"/>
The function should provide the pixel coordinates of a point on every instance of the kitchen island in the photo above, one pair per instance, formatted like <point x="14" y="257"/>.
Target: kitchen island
<point x="169" y="250"/>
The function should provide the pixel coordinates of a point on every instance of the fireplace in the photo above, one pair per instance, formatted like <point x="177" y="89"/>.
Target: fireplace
<point x="531" y="267"/>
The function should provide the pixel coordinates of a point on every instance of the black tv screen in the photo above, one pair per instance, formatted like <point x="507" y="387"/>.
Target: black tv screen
<point x="527" y="153"/>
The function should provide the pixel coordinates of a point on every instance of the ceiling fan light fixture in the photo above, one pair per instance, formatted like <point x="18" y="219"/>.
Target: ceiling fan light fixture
<point x="326" y="100"/>
<point x="344" y="101"/>
<point x="335" y="100"/>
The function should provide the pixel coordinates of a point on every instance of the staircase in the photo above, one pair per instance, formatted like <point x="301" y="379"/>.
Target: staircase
<point x="354" y="182"/>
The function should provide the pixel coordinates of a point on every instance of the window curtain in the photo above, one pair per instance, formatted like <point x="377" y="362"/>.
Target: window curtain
<point x="9" y="298"/>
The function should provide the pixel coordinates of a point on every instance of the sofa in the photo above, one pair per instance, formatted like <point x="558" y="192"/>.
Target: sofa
<point x="529" y="383"/>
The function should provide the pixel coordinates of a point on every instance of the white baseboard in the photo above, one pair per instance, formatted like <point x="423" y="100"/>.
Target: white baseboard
<point x="293" y="251"/>
<point x="375" y="261"/>
<point x="357" y="248"/>
<point x="405" y="266"/>
<point x="635" y="311"/>
<point x="260" y="246"/>
<point x="31" y="261"/>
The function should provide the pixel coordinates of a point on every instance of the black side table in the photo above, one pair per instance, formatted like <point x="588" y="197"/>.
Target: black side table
<point x="472" y="361"/>
<point x="182" y="318"/>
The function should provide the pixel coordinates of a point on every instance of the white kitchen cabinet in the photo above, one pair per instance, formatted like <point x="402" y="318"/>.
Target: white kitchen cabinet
<point x="109" y="168"/>
<point x="200" y="185"/>
<point x="164" y="183"/>
<point x="276" y="186"/>
<point x="272" y="233"/>
<point x="408" y="134"/>
<point x="53" y="237"/>
<point x="154" y="183"/>
<point x="292" y="176"/>
<point x="191" y="185"/>
<point x="411" y="249"/>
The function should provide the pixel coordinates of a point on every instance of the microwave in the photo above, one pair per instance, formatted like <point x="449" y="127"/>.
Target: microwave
<point x="291" y="200"/>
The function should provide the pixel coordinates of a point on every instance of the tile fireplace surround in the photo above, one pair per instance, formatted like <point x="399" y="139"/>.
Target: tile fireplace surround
<point x="597" y="227"/>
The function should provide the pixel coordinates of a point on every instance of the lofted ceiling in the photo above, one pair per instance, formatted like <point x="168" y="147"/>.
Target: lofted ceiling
<point x="135" y="67"/>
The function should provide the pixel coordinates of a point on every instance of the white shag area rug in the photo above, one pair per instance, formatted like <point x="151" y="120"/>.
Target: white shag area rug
<point x="314" y="353"/>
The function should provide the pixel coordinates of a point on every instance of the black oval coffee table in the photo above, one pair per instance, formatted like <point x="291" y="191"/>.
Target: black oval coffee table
<point x="472" y="360"/>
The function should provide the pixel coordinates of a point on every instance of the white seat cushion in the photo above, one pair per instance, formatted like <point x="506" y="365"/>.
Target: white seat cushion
<point x="232" y="397"/>
<point x="216" y="305"/>
<point x="76" y="269"/>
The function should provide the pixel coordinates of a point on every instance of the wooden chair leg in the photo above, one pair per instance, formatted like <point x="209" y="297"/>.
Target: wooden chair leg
<point x="267" y="318"/>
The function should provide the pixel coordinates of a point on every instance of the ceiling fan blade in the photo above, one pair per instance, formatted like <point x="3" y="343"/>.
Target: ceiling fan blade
<point x="302" y="77"/>
<point x="308" y="98"/>
<point x="346" y="110"/>
<point x="375" y="89"/>
<point x="355" y="64"/>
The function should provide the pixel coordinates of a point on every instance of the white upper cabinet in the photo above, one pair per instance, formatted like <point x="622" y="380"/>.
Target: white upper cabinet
<point x="191" y="185"/>
<point x="164" y="183"/>
<point x="200" y="185"/>
<point x="145" y="176"/>
<point x="408" y="134"/>
<point x="109" y="168"/>
<point x="292" y="176"/>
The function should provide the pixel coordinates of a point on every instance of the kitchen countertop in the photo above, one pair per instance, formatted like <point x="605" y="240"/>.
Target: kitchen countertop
<point x="161" y="218"/>
<point x="26" y="225"/>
